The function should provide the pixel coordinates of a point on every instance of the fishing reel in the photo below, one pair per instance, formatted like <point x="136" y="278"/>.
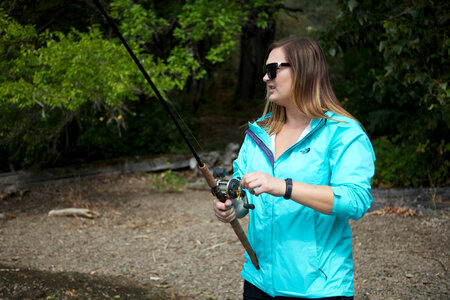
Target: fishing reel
<point x="232" y="189"/>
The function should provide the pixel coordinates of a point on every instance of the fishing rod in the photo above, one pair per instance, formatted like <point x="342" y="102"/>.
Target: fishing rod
<point x="212" y="183"/>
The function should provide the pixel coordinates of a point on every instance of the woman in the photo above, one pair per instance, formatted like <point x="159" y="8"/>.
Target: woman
<point x="307" y="165"/>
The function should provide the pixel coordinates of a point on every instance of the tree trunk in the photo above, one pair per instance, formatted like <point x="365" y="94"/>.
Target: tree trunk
<point x="254" y="44"/>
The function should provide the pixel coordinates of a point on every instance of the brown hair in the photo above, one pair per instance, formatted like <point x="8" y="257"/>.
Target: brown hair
<point x="311" y="90"/>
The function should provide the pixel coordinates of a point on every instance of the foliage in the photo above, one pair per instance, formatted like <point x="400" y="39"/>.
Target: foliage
<point x="52" y="80"/>
<point x="394" y="56"/>
<point x="207" y="18"/>
<point x="168" y="181"/>
<point x="149" y="131"/>
<point x="402" y="164"/>
<point x="61" y="92"/>
<point x="55" y="15"/>
<point x="305" y="18"/>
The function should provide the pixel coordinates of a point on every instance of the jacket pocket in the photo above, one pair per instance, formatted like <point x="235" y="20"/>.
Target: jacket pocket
<point x="296" y="262"/>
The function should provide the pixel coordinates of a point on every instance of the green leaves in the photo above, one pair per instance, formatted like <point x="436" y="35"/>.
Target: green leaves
<point x="167" y="181"/>
<point x="217" y="20"/>
<point x="404" y="163"/>
<point x="136" y="21"/>
<point x="404" y="98"/>
<point x="59" y="90"/>
<point x="69" y="71"/>
<point x="49" y="80"/>
<point x="351" y="5"/>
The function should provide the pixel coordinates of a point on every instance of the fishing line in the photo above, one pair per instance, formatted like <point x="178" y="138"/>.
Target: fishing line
<point x="150" y="82"/>
<point x="184" y="125"/>
<point x="211" y="181"/>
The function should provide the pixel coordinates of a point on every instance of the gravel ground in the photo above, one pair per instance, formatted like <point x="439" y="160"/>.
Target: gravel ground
<point x="152" y="244"/>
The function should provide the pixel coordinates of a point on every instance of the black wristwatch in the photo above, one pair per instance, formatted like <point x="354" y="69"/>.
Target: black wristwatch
<point x="288" y="193"/>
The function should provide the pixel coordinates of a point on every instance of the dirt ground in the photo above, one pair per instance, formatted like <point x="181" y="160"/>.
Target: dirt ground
<point x="151" y="244"/>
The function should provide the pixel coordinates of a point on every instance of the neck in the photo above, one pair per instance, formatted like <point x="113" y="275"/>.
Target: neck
<point x="294" y="118"/>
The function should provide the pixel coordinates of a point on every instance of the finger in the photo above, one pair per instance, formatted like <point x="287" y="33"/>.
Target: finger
<point x="222" y="205"/>
<point x="246" y="180"/>
<point x="255" y="186"/>
<point x="252" y="175"/>
<point x="221" y="215"/>
<point x="259" y="191"/>
<point x="232" y="216"/>
<point x="226" y="216"/>
<point x="250" y="180"/>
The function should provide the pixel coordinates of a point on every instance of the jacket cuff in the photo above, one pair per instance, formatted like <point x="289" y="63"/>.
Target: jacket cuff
<point x="350" y="202"/>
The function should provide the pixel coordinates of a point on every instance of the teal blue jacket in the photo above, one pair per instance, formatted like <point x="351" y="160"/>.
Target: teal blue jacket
<point x="301" y="252"/>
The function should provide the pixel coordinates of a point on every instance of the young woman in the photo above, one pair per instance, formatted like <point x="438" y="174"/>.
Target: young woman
<point x="307" y="166"/>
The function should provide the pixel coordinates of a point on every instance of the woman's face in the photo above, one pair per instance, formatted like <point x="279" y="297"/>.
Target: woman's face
<point x="279" y="88"/>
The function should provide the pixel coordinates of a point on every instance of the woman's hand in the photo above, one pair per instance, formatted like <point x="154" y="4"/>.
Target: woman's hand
<point x="317" y="197"/>
<point x="224" y="211"/>
<point x="258" y="182"/>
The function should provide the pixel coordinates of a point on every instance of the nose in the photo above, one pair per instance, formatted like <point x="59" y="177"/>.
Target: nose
<point x="266" y="78"/>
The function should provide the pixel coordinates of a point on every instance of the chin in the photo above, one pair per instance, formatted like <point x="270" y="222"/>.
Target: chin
<point x="276" y="101"/>
<point x="273" y="99"/>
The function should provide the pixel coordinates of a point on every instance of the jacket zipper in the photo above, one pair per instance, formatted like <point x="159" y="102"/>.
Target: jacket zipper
<point x="262" y="146"/>
<point x="269" y="153"/>
<point x="270" y="156"/>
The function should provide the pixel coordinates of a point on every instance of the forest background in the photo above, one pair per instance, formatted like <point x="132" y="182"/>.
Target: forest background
<point x="70" y="93"/>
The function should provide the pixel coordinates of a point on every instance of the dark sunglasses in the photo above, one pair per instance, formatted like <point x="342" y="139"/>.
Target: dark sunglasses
<point x="271" y="69"/>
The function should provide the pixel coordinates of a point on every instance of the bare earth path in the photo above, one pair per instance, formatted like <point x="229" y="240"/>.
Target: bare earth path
<point x="150" y="244"/>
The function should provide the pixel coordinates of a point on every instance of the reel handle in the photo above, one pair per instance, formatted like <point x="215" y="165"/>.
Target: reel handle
<point x="246" y="204"/>
<point x="249" y="206"/>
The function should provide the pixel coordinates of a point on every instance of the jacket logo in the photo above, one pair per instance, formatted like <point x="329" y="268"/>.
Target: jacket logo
<point x="304" y="151"/>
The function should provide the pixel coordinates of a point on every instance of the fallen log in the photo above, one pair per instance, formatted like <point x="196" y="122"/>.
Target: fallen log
<point x="74" y="212"/>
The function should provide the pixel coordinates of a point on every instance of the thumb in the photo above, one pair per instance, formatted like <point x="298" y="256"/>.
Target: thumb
<point x="228" y="203"/>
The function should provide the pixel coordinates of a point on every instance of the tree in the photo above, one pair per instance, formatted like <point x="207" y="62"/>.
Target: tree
<point x="394" y="57"/>
<point x="258" y="32"/>
<point x="61" y="91"/>
<point x="53" y="15"/>
<point x="51" y="80"/>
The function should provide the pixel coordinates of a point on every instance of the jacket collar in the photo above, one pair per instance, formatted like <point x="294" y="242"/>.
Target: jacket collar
<point x="264" y="136"/>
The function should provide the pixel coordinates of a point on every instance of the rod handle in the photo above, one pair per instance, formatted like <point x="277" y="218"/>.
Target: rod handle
<point x="244" y="241"/>
<point x="235" y="223"/>
<point x="208" y="176"/>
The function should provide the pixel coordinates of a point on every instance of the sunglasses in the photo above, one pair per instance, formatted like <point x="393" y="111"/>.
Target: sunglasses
<point x="271" y="69"/>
